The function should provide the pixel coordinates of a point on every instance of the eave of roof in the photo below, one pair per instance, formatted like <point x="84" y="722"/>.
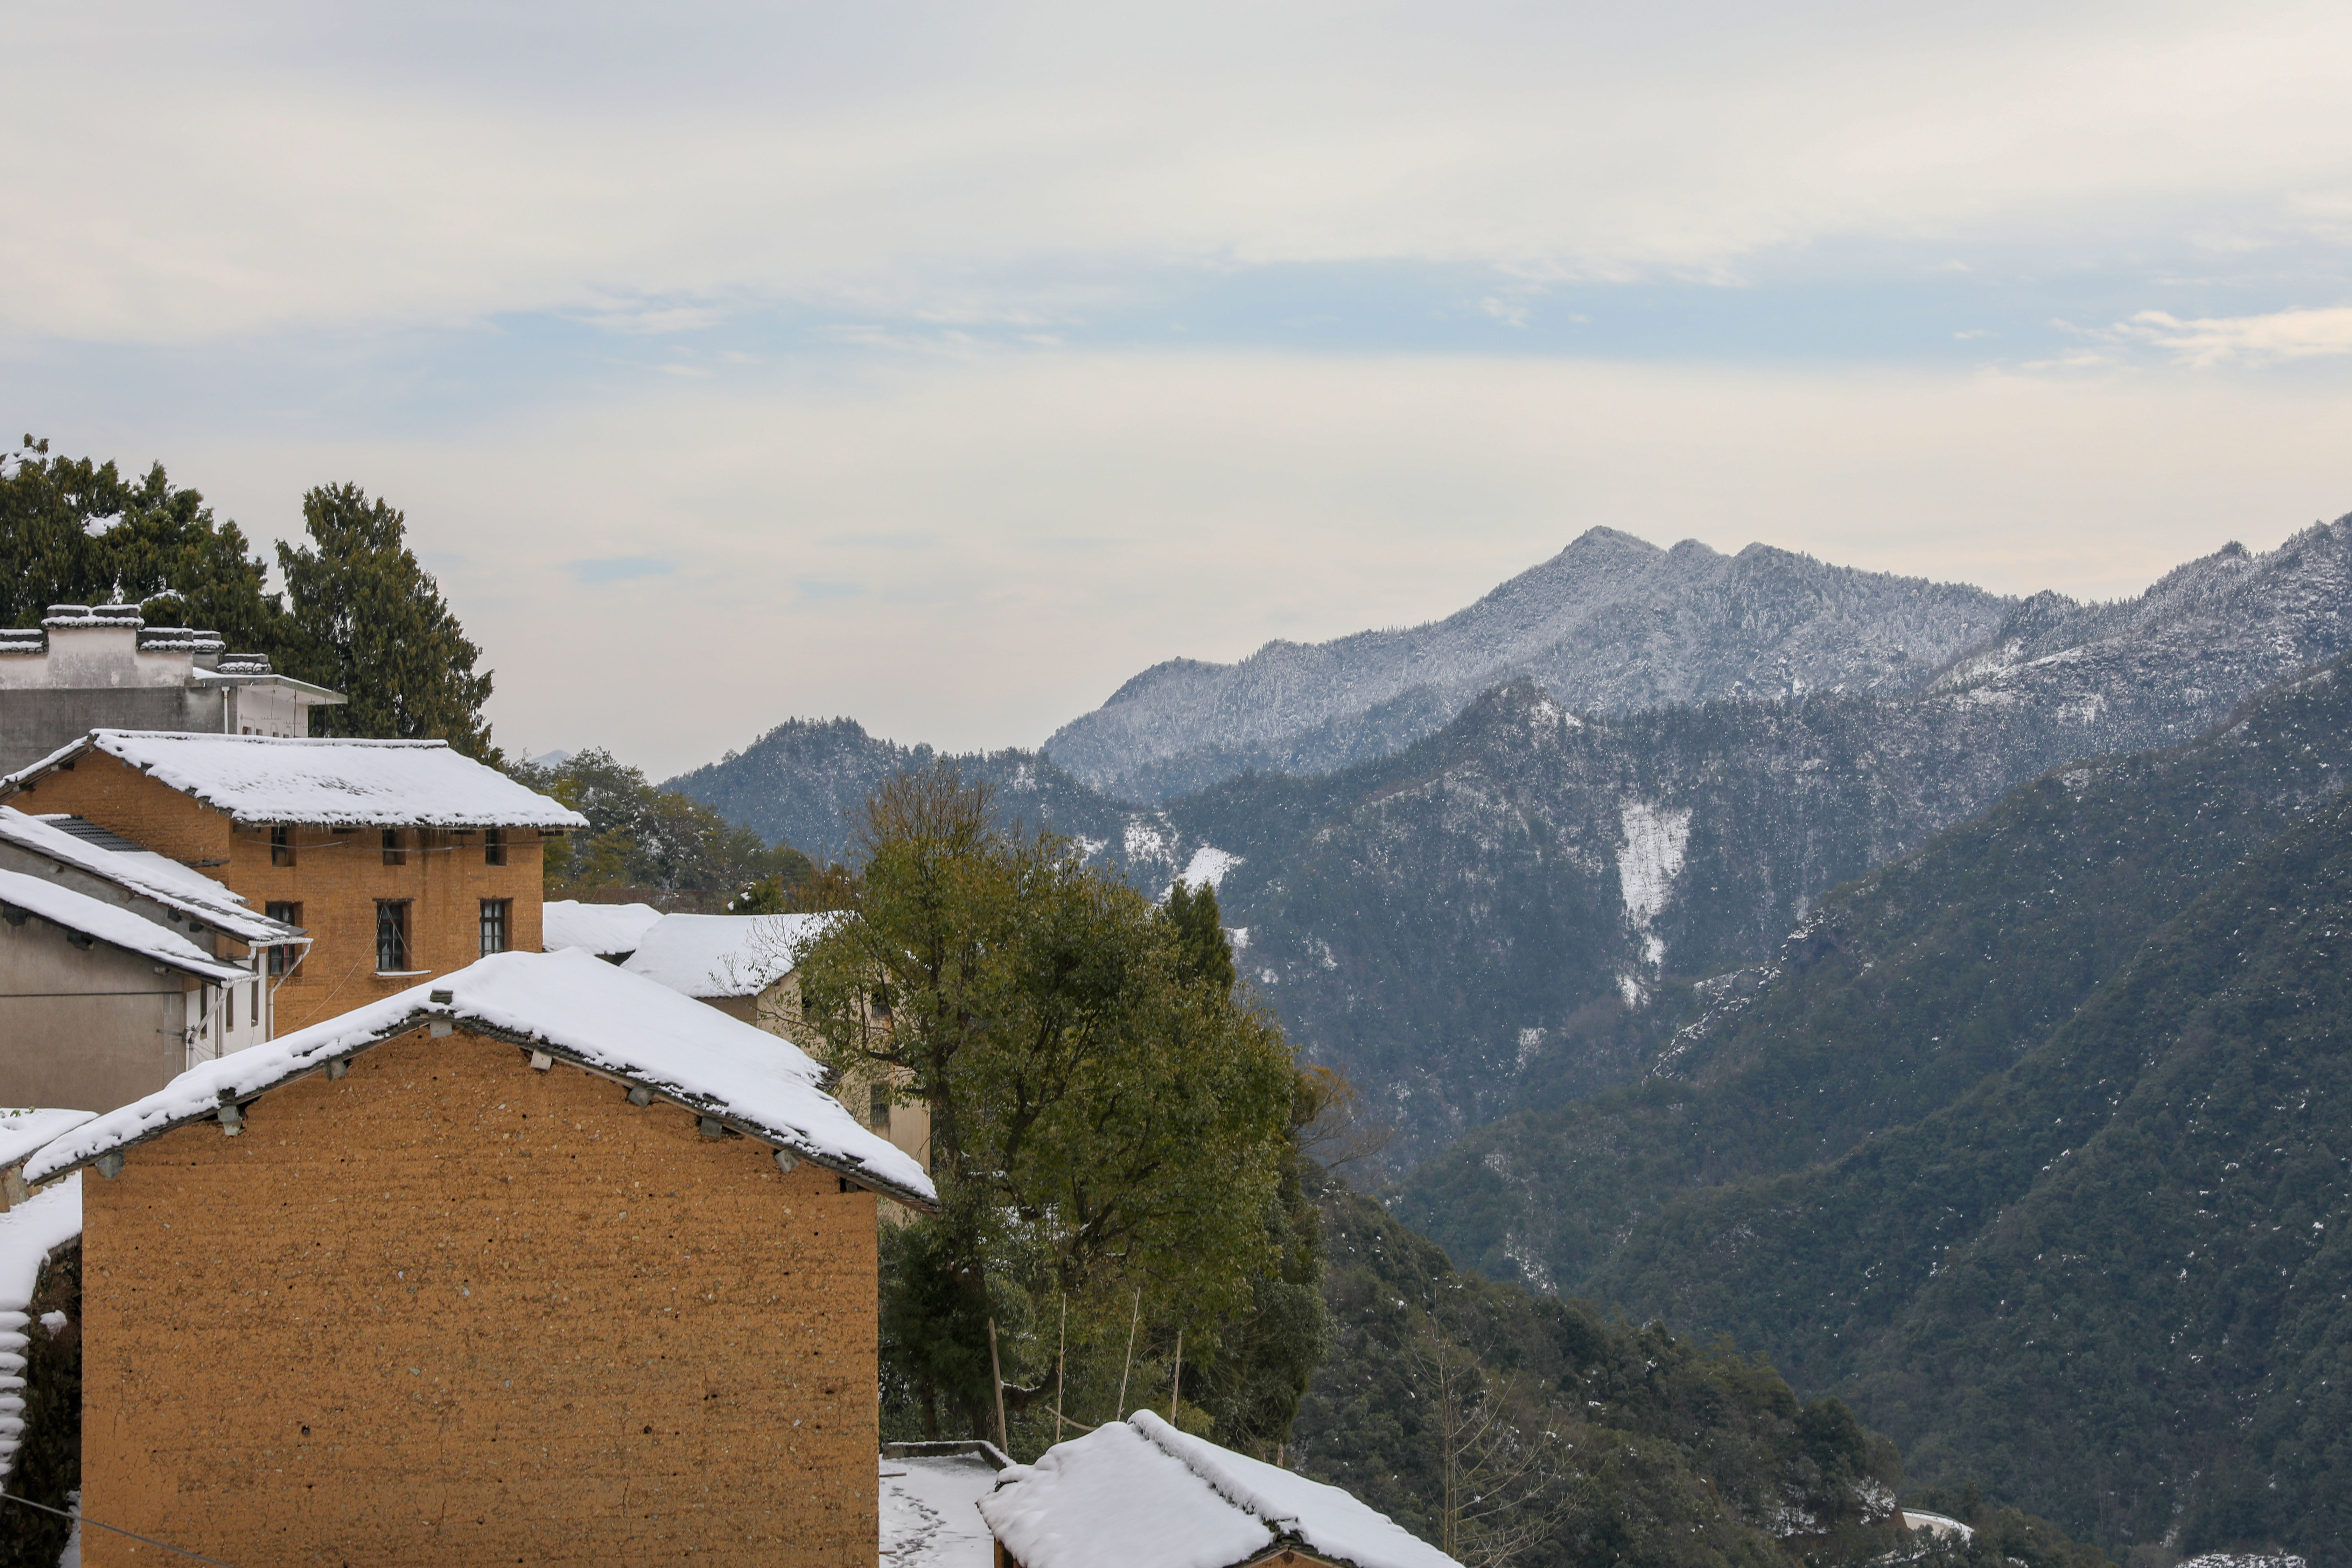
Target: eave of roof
<point x="246" y="1075"/>
<point x="119" y="928"/>
<point x="226" y="912"/>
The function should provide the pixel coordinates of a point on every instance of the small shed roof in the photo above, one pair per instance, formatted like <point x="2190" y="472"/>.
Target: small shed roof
<point x="144" y="872"/>
<point x="575" y="1008"/>
<point x="1143" y="1494"/>
<point x="600" y="929"/>
<point x="333" y="783"/>
<point x="723" y="955"/>
<point x="112" y="924"/>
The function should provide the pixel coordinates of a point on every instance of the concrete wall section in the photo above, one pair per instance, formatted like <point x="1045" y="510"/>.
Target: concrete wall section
<point x="450" y="1311"/>
<point x="36" y="722"/>
<point x="86" y="1028"/>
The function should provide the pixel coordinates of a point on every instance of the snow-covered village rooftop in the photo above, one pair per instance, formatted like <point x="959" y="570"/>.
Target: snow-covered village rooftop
<point x="324" y="783"/>
<point x="577" y="1009"/>
<point x="723" y="955"/>
<point x="1144" y="1495"/>
<point x="601" y="929"/>
<point x="71" y="842"/>
<point x="109" y="923"/>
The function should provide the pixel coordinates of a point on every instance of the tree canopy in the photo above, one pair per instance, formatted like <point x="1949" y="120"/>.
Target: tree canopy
<point x="1110" y="1129"/>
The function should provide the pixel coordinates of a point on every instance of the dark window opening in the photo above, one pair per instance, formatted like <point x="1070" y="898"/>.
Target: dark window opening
<point x="393" y="855"/>
<point x="494" y="846"/>
<point x="877" y="1108"/>
<point x="391" y="935"/>
<point x="282" y="847"/>
<point x="283" y="960"/>
<point x="495" y="915"/>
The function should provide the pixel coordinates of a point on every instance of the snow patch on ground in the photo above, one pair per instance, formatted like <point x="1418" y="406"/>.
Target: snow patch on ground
<point x="1209" y="864"/>
<point x="1530" y="1042"/>
<point x="1655" y="837"/>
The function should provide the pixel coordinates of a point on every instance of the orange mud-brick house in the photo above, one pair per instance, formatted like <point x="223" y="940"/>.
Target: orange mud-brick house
<point x="1141" y="1494"/>
<point x="535" y="1262"/>
<point x="400" y="860"/>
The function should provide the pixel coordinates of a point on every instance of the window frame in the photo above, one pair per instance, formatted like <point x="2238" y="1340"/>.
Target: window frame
<point x="498" y="912"/>
<point x="281" y="845"/>
<point x="395" y="852"/>
<point x="494" y="845"/>
<point x="284" y="960"/>
<point x="391" y="920"/>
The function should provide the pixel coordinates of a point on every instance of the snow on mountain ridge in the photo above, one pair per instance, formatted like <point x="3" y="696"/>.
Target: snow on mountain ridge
<point x="1611" y="624"/>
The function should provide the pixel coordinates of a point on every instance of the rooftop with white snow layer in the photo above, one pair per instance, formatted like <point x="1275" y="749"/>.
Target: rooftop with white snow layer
<point x="143" y="872"/>
<point x="575" y="1008"/>
<point x="336" y="783"/>
<point x="723" y="955"/>
<point x="1141" y="1494"/>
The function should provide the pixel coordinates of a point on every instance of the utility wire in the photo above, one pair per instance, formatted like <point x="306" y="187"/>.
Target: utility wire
<point x="167" y="1546"/>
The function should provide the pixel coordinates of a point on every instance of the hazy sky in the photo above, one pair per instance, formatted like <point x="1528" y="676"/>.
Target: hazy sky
<point x="944" y="365"/>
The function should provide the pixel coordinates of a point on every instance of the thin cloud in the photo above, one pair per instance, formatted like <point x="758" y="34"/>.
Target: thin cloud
<point x="2243" y="340"/>
<point x="617" y="569"/>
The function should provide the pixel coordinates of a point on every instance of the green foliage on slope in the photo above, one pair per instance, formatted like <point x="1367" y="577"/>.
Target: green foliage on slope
<point x="658" y="847"/>
<point x="1662" y="1452"/>
<point x="2033" y="1146"/>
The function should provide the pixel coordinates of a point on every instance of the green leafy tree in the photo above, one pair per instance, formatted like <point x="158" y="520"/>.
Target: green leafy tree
<point x="1108" y="1133"/>
<point x="370" y="622"/>
<point x="76" y="532"/>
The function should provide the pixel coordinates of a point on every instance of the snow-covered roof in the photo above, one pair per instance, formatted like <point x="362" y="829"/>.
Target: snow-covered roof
<point x="29" y="1234"/>
<point x="576" y="1008"/>
<point x="929" y="1511"/>
<point x="25" y="1130"/>
<point x="334" y="783"/>
<point x="593" y="928"/>
<point x="144" y="872"/>
<point x="1142" y="1494"/>
<point x="114" y="925"/>
<point x="723" y="955"/>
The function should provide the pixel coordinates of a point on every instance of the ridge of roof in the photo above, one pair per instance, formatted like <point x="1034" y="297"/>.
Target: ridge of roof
<point x="575" y="1008"/>
<point x="117" y="927"/>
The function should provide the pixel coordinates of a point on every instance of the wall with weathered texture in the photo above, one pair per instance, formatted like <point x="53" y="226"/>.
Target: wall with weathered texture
<point x="450" y="1311"/>
<point x="337" y="879"/>
<point x="89" y="1028"/>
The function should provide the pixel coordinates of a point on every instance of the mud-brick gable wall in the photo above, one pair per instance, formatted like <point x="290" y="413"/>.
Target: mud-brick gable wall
<point x="448" y="1309"/>
<point x="337" y="878"/>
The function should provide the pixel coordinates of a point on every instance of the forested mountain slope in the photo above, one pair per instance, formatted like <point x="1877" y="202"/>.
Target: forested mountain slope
<point x="2034" y="1147"/>
<point x="1611" y="624"/>
<point x="1660" y="1453"/>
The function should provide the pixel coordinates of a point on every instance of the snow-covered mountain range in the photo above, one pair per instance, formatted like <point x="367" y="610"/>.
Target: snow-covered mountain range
<point x="1610" y="625"/>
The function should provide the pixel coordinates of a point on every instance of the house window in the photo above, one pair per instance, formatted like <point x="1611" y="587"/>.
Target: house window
<point x="494" y="846"/>
<point x="393" y="855"/>
<point x="391" y="936"/>
<point x="228" y="1007"/>
<point x="282" y="847"/>
<point x="256" y="1004"/>
<point x="877" y="1108"/>
<point x="495" y="914"/>
<point x="283" y="960"/>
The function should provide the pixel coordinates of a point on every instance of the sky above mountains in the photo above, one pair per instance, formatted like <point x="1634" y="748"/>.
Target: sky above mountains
<point x="946" y="365"/>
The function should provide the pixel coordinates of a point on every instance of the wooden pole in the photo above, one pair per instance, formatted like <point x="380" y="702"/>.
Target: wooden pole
<point x="1176" y="1387"/>
<point x="1061" y="1356"/>
<point x="1120" y="1413"/>
<point x="1003" y="1440"/>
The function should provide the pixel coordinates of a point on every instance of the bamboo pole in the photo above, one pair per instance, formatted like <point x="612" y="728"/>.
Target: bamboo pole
<point x="1176" y="1384"/>
<point x="1061" y="1357"/>
<point x="1120" y="1413"/>
<point x="1003" y="1440"/>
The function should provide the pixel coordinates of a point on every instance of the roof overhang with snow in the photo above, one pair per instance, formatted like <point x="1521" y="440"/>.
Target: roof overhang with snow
<point x="1142" y="1494"/>
<point x="723" y="955"/>
<point x="573" y="1009"/>
<point x="337" y="783"/>
<point x="95" y="920"/>
<point x="149" y="875"/>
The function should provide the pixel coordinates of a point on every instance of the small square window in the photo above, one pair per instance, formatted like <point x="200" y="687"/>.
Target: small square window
<point x="494" y="846"/>
<point x="394" y="852"/>
<point x="282" y="847"/>
<point x="496" y="916"/>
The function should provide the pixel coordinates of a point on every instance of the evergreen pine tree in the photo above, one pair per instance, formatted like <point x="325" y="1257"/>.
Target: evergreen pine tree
<point x="370" y="622"/>
<point x="1203" y="952"/>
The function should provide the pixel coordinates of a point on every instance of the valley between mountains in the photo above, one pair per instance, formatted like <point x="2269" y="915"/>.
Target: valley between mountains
<point x="1942" y="994"/>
